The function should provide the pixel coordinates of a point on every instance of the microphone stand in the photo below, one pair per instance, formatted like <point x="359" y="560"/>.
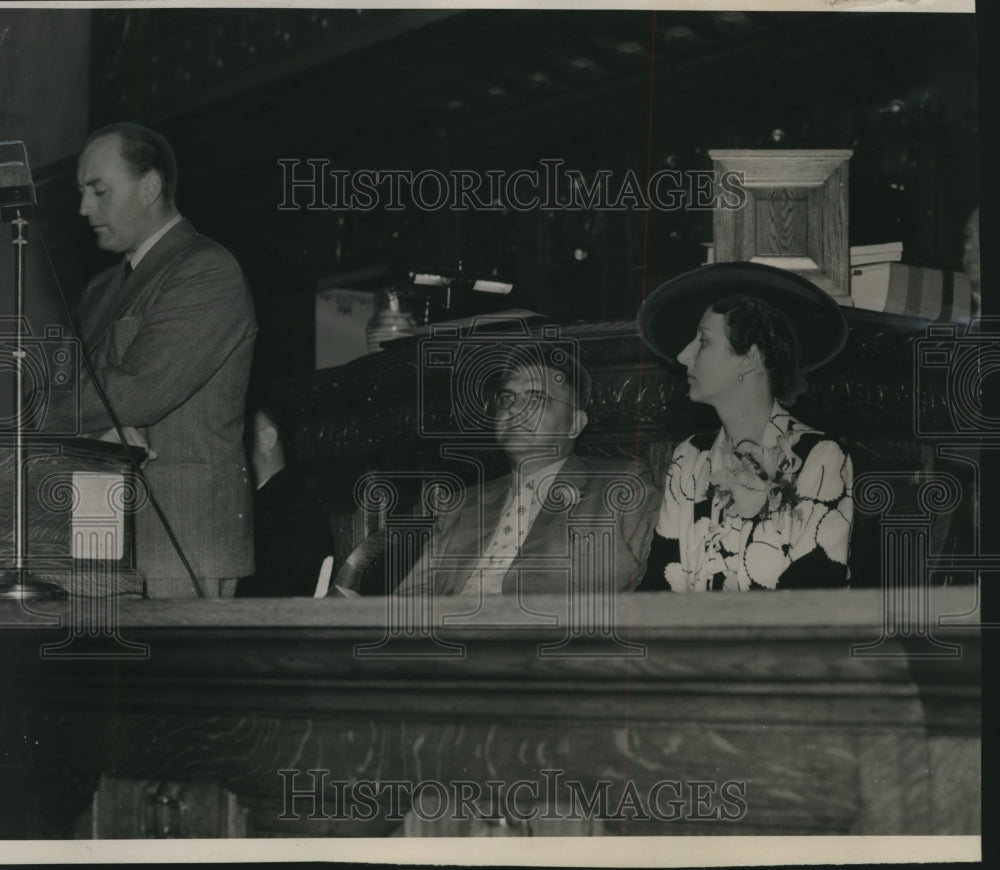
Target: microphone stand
<point x="17" y="583"/>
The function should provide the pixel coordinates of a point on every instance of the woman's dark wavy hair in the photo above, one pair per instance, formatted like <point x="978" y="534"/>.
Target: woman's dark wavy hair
<point x="751" y="321"/>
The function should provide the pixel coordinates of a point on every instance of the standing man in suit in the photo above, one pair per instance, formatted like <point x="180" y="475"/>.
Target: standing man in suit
<point x="169" y="332"/>
<point x="521" y="533"/>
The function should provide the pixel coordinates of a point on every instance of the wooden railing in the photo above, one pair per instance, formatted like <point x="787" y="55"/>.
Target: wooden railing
<point x="777" y="713"/>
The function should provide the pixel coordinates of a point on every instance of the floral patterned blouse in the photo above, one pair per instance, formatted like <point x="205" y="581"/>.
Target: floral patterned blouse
<point x="774" y="515"/>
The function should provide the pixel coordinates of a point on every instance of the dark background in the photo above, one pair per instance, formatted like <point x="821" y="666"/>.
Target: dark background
<point x="235" y="91"/>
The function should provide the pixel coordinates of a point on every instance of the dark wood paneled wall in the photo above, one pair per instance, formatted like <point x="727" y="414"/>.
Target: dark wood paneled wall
<point x="475" y="89"/>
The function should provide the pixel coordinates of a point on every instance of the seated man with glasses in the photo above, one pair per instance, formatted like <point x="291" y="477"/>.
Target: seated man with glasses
<point x="558" y="521"/>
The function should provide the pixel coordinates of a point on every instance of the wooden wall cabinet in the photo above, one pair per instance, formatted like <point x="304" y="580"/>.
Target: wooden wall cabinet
<point x="794" y="215"/>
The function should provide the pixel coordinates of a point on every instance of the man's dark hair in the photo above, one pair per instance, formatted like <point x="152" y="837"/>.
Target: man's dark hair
<point x="278" y="414"/>
<point x="265" y="397"/>
<point x="144" y="150"/>
<point x="554" y="358"/>
<point x="265" y="400"/>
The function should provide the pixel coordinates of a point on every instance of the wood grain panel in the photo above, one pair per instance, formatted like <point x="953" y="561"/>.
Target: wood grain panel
<point x="797" y="208"/>
<point x="760" y="691"/>
<point x="50" y="494"/>
<point x="955" y="764"/>
<point x="781" y="225"/>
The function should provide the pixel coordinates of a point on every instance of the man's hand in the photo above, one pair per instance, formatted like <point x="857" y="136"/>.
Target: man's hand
<point x="133" y="437"/>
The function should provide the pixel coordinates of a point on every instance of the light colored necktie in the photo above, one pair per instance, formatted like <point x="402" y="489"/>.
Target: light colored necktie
<point x="512" y="528"/>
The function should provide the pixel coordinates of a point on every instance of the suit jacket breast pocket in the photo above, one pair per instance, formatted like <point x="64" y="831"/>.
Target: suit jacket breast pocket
<point x="123" y="333"/>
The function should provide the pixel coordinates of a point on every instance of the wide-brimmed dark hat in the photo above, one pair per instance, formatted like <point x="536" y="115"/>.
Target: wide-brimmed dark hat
<point x="669" y="317"/>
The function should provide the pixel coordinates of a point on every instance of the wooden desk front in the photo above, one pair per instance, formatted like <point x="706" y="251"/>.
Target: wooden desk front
<point x="769" y="690"/>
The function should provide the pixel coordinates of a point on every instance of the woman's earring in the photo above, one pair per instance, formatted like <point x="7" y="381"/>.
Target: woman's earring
<point x="740" y="378"/>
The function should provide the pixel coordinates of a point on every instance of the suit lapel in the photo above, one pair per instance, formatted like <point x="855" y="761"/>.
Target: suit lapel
<point x="103" y="299"/>
<point x="472" y="532"/>
<point x="550" y="520"/>
<point x="120" y="297"/>
<point x="480" y="517"/>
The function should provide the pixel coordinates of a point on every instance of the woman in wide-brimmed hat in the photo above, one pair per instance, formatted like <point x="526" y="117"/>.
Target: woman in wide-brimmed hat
<point x="764" y="502"/>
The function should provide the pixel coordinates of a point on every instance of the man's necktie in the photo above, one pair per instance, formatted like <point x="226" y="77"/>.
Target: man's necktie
<point x="126" y="271"/>
<point x="512" y="527"/>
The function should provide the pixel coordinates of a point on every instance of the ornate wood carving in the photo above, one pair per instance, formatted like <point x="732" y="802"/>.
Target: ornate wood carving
<point x="369" y="413"/>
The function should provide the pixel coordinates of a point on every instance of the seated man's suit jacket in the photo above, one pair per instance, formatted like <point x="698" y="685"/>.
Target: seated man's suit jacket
<point x="292" y="537"/>
<point x="172" y="348"/>
<point x="612" y="504"/>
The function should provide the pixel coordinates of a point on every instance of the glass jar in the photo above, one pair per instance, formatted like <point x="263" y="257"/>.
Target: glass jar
<point x="390" y="320"/>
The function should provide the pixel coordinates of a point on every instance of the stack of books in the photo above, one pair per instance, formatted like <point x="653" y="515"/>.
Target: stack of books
<point x="888" y="252"/>
<point x="880" y="282"/>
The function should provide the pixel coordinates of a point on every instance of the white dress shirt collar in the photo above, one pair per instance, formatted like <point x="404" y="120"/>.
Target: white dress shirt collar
<point x="147" y="245"/>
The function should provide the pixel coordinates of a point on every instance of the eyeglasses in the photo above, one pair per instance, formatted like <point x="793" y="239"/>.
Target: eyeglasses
<point x="532" y="400"/>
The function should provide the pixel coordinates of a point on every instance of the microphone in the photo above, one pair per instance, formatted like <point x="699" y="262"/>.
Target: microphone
<point x="17" y="192"/>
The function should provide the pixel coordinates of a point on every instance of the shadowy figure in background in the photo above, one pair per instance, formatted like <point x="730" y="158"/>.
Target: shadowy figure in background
<point x="292" y="534"/>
